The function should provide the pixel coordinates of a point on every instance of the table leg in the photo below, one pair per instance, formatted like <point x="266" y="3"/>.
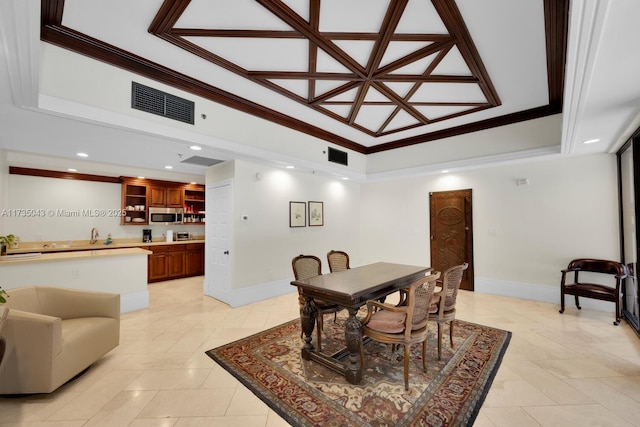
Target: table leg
<point x="353" y="338"/>
<point x="308" y="315"/>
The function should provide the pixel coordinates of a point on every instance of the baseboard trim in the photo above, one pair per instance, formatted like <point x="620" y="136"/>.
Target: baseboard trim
<point x="535" y="292"/>
<point x="251" y="294"/>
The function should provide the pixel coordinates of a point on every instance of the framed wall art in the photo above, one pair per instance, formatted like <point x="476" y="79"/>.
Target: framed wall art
<point x="297" y="214"/>
<point x="316" y="214"/>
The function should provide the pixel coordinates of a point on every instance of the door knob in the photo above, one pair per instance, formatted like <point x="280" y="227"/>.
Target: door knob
<point x="226" y="252"/>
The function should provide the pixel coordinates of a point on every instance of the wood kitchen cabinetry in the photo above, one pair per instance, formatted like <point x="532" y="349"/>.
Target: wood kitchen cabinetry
<point x="194" y="204"/>
<point x="175" y="261"/>
<point x="194" y="259"/>
<point x="138" y="194"/>
<point x="165" y="196"/>
<point x="134" y="201"/>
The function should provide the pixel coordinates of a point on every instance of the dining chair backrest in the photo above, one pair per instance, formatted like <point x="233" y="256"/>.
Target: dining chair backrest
<point x="423" y="291"/>
<point x="450" y="284"/>
<point x="306" y="266"/>
<point x="338" y="260"/>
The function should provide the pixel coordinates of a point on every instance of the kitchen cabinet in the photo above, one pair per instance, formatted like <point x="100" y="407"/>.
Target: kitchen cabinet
<point x="175" y="261"/>
<point x="165" y="196"/>
<point x="194" y="204"/>
<point x="194" y="258"/>
<point x="158" y="268"/>
<point x="138" y="194"/>
<point x="134" y="202"/>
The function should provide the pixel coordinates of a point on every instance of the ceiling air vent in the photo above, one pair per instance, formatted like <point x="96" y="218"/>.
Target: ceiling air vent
<point x="164" y="104"/>
<point x="338" y="156"/>
<point x="201" y="161"/>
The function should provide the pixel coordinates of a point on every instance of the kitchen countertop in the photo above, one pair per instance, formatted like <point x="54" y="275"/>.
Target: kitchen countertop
<point x="69" y="256"/>
<point x="83" y="245"/>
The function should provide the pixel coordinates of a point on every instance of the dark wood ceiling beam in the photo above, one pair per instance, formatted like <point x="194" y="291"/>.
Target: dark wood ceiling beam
<point x="410" y="78"/>
<point x="51" y="12"/>
<point x="85" y="45"/>
<point x="400" y="102"/>
<point x="556" y="26"/>
<point x="401" y="37"/>
<point x="388" y="29"/>
<point x="257" y="34"/>
<point x="556" y="20"/>
<point x="294" y="20"/>
<point x="441" y="54"/>
<point x="167" y="16"/>
<point x="314" y="21"/>
<point x="415" y="56"/>
<point x="357" y="102"/>
<point x="298" y="75"/>
<point x="335" y="92"/>
<point x="507" y="119"/>
<point x="452" y="19"/>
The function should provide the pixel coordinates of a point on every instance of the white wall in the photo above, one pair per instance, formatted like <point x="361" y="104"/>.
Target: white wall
<point x="264" y="245"/>
<point x="51" y="194"/>
<point x="523" y="235"/>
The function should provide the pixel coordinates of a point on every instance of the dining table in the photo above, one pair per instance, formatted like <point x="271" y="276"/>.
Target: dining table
<point x="350" y="289"/>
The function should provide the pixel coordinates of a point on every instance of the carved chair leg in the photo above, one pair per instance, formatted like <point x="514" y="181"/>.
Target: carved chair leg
<point x="451" y="333"/>
<point x="407" y="351"/>
<point x="578" y="303"/>
<point x="439" y="341"/>
<point x="618" y="310"/>
<point x="424" y="355"/>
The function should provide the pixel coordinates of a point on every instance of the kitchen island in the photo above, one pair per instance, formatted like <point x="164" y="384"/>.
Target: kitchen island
<point x="167" y="260"/>
<point x="122" y="271"/>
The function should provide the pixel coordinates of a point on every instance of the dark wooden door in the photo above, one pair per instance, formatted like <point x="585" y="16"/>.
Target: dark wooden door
<point x="452" y="232"/>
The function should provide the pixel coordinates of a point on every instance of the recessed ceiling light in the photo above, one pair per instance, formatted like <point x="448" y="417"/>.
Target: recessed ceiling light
<point x="196" y="148"/>
<point x="72" y="170"/>
<point x="591" y="141"/>
<point x="346" y="178"/>
<point x="168" y="167"/>
<point x="290" y="167"/>
<point x="82" y="155"/>
<point x="445" y="171"/>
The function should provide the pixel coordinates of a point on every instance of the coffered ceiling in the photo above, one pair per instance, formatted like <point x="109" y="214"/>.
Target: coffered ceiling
<point x="370" y="76"/>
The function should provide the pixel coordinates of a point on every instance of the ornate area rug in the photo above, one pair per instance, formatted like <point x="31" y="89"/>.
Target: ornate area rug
<point x="304" y="393"/>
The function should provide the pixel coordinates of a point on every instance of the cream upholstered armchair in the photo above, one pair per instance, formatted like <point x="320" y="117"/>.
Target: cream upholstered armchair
<point x="53" y="334"/>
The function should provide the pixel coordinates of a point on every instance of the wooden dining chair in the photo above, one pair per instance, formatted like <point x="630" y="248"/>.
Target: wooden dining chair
<point x="443" y="304"/>
<point x="405" y="324"/>
<point x="338" y="260"/>
<point x="306" y="267"/>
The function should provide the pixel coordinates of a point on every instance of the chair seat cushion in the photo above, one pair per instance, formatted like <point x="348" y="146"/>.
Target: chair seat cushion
<point x="387" y="321"/>
<point x="435" y="303"/>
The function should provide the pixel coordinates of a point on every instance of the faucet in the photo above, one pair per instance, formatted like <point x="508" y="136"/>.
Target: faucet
<point x="94" y="236"/>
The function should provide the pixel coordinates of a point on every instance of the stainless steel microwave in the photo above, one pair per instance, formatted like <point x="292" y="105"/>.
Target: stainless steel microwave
<point x="165" y="216"/>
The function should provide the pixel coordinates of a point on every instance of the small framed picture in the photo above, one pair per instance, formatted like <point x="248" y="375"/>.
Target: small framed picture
<point x="297" y="214"/>
<point x="316" y="214"/>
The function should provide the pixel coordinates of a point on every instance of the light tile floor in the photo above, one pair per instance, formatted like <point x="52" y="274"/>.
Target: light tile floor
<point x="573" y="369"/>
